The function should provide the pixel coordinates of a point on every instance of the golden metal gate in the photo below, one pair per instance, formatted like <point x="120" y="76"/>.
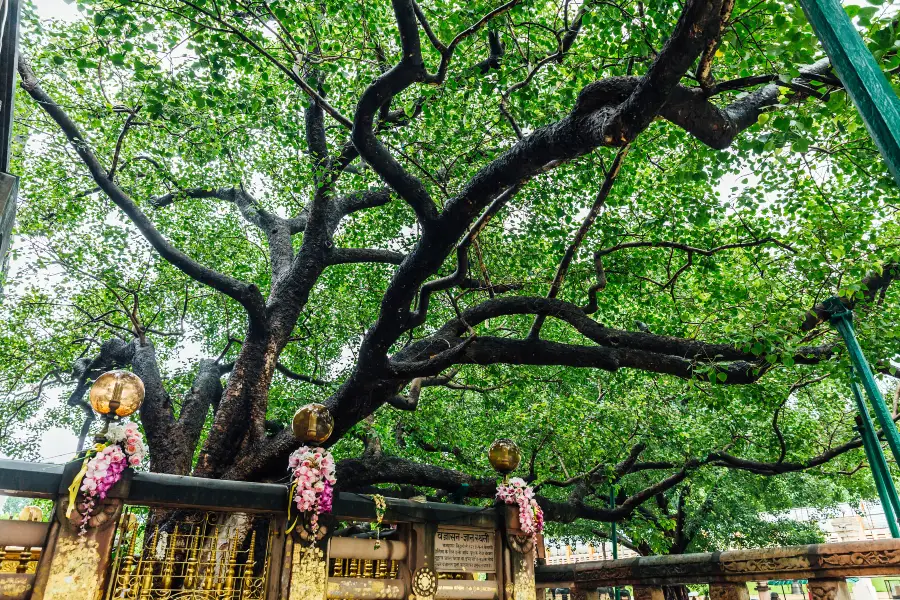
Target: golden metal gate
<point x="201" y="559"/>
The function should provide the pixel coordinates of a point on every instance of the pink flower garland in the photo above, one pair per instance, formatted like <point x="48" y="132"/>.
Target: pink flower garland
<point x="124" y="448"/>
<point x="313" y="474"/>
<point x="531" y="517"/>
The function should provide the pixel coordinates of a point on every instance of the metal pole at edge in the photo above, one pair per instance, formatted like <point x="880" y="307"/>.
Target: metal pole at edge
<point x="614" y="536"/>
<point x="861" y="75"/>
<point x="842" y="320"/>
<point x="875" y="455"/>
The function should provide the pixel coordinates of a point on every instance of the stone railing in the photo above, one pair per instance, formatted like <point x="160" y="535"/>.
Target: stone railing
<point x="825" y="566"/>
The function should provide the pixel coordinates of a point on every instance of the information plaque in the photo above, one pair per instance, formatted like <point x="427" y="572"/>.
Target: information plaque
<point x="464" y="551"/>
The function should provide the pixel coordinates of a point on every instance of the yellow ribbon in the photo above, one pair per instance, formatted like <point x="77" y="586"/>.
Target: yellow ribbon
<point x="76" y="486"/>
<point x="291" y="493"/>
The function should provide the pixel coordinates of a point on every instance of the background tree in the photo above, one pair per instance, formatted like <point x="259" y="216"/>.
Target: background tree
<point x="601" y="228"/>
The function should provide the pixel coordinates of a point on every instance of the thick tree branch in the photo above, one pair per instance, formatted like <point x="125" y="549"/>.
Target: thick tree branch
<point x="700" y="22"/>
<point x="575" y="244"/>
<point x="873" y="285"/>
<point x="693" y="249"/>
<point x="607" y="113"/>
<point x="362" y="200"/>
<point x="343" y="256"/>
<point x="290" y="374"/>
<point x="462" y="260"/>
<point x="245" y="294"/>
<point x="683" y="348"/>
<point x="408" y="71"/>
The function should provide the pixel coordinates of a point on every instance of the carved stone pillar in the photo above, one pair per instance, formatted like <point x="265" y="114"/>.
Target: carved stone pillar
<point x="762" y="587"/>
<point x="76" y="565"/>
<point x="422" y="575"/>
<point x="829" y="589"/>
<point x="305" y="561"/>
<point x="518" y="559"/>
<point x="728" y="591"/>
<point x="648" y="592"/>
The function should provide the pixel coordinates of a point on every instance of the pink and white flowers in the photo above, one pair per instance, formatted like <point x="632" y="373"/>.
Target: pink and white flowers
<point x="531" y="517"/>
<point x="105" y="463"/>
<point x="313" y="474"/>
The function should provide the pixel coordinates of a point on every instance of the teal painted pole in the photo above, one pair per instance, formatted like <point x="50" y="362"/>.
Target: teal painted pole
<point x="861" y="76"/>
<point x="878" y="476"/>
<point x="842" y="320"/>
<point x="877" y="463"/>
<point x="614" y="536"/>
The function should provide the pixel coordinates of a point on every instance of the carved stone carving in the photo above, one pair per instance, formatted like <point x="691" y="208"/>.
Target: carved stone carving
<point x="728" y="591"/>
<point x="861" y="559"/>
<point x="827" y="561"/>
<point x="103" y="516"/>
<point x="304" y="531"/>
<point x="424" y="583"/>
<point x="603" y="574"/>
<point x="523" y="544"/>
<point x="829" y="589"/>
<point x="766" y="565"/>
<point x="579" y="593"/>
<point x="15" y="586"/>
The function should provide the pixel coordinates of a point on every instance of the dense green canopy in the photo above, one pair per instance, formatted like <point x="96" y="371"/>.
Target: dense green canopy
<point x="376" y="205"/>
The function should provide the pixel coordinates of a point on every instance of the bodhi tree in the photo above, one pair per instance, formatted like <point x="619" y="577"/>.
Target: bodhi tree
<point x="604" y="229"/>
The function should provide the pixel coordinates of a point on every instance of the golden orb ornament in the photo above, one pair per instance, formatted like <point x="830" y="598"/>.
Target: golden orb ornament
<point x="313" y="423"/>
<point x="504" y="456"/>
<point x="117" y="393"/>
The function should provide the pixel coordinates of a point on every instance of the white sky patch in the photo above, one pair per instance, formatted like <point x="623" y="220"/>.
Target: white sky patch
<point x="59" y="10"/>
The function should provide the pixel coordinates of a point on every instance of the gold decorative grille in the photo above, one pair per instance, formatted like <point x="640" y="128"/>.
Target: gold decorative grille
<point x="16" y="559"/>
<point x="358" y="567"/>
<point x="193" y="561"/>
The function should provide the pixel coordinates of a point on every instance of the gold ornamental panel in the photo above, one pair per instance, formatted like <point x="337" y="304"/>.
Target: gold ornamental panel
<point x="202" y="559"/>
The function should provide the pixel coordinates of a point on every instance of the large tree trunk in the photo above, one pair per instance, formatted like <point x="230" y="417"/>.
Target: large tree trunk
<point x="240" y="419"/>
<point x="675" y="592"/>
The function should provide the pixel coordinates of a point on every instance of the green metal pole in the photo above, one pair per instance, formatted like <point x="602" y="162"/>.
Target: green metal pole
<point x="877" y="475"/>
<point x="861" y="76"/>
<point x="614" y="536"/>
<point x="877" y="463"/>
<point x="842" y="320"/>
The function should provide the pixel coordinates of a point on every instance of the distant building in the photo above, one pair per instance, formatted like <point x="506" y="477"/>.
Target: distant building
<point x="867" y="522"/>
<point x="561" y="554"/>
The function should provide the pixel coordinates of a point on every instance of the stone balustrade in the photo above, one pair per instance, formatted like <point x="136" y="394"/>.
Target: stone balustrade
<point x="826" y="566"/>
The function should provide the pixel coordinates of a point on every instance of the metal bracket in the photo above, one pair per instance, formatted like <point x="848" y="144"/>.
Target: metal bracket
<point x="837" y="309"/>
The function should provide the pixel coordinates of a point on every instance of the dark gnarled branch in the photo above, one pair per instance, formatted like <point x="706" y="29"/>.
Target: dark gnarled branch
<point x="246" y="294"/>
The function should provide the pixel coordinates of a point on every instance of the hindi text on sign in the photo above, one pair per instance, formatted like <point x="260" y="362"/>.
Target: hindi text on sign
<point x="464" y="551"/>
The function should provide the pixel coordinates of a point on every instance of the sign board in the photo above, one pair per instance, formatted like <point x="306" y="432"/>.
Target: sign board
<point x="459" y="550"/>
